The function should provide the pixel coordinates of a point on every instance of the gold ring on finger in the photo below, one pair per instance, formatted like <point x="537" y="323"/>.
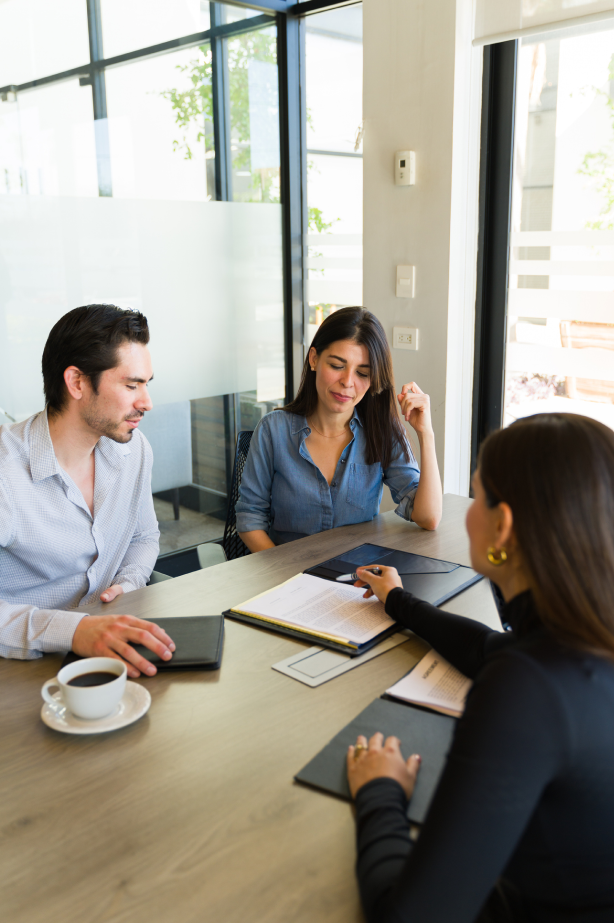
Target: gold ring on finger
<point x="358" y="749"/>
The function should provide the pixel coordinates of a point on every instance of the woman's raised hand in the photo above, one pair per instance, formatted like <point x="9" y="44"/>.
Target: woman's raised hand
<point x="378" y="586"/>
<point x="416" y="407"/>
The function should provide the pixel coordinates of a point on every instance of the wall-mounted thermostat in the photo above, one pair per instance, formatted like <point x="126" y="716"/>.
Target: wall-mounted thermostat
<point x="405" y="168"/>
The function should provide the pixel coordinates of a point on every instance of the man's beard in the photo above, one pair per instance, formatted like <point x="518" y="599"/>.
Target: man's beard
<point x="104" y="426"/>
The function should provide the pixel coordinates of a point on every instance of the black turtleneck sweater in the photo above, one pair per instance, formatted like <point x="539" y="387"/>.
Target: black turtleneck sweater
<point x="527" y="794"/>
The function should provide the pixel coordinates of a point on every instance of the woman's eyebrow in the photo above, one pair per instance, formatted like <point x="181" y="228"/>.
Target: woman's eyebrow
<point x="363" y="365"/>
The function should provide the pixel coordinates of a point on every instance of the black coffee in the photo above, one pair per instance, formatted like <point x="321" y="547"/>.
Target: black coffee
<point x="92" y="679"/>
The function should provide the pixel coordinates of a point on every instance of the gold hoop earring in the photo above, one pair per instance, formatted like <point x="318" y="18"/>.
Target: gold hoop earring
<point x="496" y="556"/>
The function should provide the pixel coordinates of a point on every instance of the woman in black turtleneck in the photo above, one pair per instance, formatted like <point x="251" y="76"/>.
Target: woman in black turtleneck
<point x="521" y="827"/>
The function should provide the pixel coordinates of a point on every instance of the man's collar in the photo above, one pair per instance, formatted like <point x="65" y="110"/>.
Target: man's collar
<point x="114" y="452"/>
<point x="43" y="461"/>
<point x="300" y="423"/>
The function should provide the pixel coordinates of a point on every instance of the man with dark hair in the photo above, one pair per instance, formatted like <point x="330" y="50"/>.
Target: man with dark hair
<point x="77" y="522"/>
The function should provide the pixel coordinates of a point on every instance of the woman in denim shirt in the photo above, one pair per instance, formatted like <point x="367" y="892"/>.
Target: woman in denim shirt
<point x="322" y="461"/>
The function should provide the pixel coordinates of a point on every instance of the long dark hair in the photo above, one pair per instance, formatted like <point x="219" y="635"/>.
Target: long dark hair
<point x="556" y="472"/>
<point x="378" y="408"/>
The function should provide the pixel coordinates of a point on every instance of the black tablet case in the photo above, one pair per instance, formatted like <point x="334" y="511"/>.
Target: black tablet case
<point x="428" y="578"/>
<point x="419" y="730"/>
<point x="199" y="640"/>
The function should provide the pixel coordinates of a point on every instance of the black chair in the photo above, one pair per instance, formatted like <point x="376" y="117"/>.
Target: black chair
<point x="231" y="543"/>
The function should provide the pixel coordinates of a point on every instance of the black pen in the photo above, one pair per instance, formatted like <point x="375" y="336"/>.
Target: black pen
<point x="346" y="578"/>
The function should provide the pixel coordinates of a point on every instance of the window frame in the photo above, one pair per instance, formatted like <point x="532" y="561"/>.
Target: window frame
<point x="495" y="215"/>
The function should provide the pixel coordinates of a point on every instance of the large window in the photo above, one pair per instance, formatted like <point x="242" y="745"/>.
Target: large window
<point x="560" y="324"/>
<point x="333" y="67"/>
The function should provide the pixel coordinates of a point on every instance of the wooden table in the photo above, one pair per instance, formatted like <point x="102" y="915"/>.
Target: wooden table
<point x="191" y="815"/>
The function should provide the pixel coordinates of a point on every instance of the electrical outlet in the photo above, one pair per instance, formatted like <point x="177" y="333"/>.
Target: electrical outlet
<point x="405" y="337"/>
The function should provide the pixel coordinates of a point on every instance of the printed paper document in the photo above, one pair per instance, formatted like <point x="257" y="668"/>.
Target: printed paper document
<point x="434" y="683"/>
<point x="322" y="608"/>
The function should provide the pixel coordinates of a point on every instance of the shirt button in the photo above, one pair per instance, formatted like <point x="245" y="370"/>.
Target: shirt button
<point x="333" y="484"/>
<point x="343" y="461"/>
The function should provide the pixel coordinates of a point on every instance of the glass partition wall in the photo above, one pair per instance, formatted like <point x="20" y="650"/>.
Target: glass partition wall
<point x="170" y="157"/>
<point x="150" y="183"/>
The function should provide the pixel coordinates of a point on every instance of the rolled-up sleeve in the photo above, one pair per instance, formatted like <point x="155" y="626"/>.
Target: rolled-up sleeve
<point x="403" y="478"/>
<point x="254" y="504"/>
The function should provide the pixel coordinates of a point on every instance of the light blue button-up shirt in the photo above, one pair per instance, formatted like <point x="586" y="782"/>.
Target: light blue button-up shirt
<point x="54" y="555"/>
<point x="284" y="492"/>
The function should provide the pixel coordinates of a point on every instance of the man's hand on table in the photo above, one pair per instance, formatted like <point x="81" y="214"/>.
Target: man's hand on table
<point x="111" y="635"/>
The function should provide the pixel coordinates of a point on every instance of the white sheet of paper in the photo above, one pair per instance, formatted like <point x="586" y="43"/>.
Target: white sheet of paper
<point x="321" y="606"/>
<point x="435" y="683"/>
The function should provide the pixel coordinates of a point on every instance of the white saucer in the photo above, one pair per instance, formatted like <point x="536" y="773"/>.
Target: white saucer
<point x="134" y="704"/>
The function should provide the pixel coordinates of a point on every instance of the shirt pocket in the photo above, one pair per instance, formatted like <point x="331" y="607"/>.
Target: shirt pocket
<point x="364" y="487"/>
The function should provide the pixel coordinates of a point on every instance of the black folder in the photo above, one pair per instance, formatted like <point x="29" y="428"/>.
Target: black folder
<point x="199" y="640"/>
<point x="430" y="579"/>
<point x="419" y="730"/>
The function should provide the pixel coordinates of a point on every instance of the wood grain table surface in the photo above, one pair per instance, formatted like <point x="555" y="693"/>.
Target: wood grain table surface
<point x="191" y="814"/>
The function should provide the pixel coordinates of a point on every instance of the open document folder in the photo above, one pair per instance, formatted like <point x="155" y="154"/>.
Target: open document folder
<point x="335" y="614"/>
<point x="313" y="605"/>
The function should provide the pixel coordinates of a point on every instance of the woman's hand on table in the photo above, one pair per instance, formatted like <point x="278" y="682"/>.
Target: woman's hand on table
<point x="378" y="586"/>
<point x="416" y="407"/>
<point x="380" y="759"/>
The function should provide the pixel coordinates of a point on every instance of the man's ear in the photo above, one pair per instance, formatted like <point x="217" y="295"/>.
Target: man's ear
<point x="76" y="382"/>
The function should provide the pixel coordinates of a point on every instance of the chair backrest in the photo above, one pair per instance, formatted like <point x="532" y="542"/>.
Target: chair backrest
<point x="232" y="544"/>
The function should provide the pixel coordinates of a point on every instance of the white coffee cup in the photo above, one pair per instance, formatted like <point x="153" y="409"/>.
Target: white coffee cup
<point x="89" y="702"/>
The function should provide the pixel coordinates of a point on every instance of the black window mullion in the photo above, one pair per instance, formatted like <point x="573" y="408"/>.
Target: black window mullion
<point x="220" y="90"/>
<point x="99" y="97"/>
<point x="495" y="212"/>
<point x="290" y="57"/>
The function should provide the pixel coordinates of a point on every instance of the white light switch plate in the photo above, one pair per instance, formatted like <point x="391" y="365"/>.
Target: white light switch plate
<point x="405" y="337"/>
<point x="406" y="281"/>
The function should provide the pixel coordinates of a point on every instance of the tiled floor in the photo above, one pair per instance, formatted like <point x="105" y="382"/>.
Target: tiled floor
<point x="191" y="528"/>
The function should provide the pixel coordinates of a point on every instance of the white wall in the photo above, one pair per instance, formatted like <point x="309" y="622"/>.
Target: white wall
<point x="422" y="93"/>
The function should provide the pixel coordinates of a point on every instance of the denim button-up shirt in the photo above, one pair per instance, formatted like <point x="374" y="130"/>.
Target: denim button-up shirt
<point x="284" y="492"/>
